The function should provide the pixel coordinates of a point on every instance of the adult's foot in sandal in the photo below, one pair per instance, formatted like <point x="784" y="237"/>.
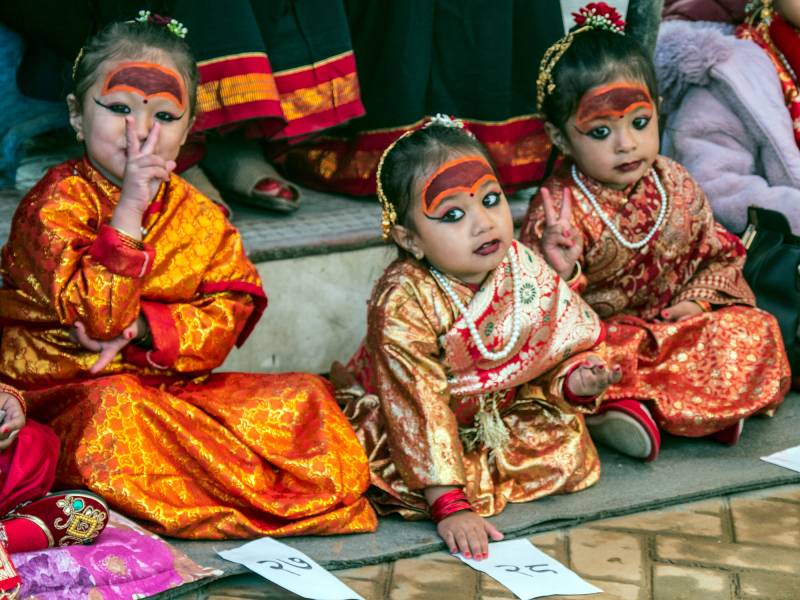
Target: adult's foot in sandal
<point x="284" y="196"/>
<point x="627" y="427"/>
<point x="240" y="167"/>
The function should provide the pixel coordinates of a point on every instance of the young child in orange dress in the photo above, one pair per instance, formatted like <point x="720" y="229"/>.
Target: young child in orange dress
<point x="30" y="518"/>
<point x="698" y="358"/>
<point x="124" y="287"/>
<point x="478" y="358"/>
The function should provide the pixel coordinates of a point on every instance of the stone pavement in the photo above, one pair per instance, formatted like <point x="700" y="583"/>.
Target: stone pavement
<point x="739" y="547"/>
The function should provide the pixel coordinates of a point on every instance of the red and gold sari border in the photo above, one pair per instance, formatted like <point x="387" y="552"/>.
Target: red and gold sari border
<point x="255" y="291"/>
<point x="306" y="99"/>
<point x="323" y="119"/>
<point x="246" y="63"/>
<point x="314" y="74"/>
<point x="226" y="115"/>
<point x="519" y="149"/>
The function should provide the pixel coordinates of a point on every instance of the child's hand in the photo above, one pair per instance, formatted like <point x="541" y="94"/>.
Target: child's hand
<point x="14" y="419"/>
<point x="108" y="349"/>
<point x="144" y="170"/>
<point x="468" y="533"/>
<point x="593" y="377"/>
<point x="561" y="243"/>
<point x="681" y="310"/>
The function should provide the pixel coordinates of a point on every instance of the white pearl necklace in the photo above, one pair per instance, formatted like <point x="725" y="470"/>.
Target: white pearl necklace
<point x="473" y="330"/>
<point x="786" y="64"/>
<point x="662" y="211"/>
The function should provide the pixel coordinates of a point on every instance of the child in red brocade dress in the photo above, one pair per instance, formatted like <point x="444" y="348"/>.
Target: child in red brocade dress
<point x="697" y="357"/>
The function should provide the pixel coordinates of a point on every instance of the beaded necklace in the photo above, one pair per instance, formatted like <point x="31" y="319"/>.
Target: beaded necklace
<point x="473" y="330"/>
<point x="662" y="211"/>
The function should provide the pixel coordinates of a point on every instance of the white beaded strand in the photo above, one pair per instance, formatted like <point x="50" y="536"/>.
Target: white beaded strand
<point x="473" y="330"/>
<point x="787" y="65"/>
<point x="662" y="211"/>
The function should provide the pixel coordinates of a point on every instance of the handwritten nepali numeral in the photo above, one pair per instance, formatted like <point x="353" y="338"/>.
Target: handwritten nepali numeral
<point x="543" y="568"/>
<point x="294" y="562"/>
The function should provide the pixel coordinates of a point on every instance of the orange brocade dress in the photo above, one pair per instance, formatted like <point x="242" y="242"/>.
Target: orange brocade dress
<point x="190" y="453"/>
<point x="700" y="375"/>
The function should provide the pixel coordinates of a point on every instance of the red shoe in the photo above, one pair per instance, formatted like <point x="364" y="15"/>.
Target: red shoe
<point x="730" y="435"/>
<point x="627" y="427"/>
<point x="66" y="518"/>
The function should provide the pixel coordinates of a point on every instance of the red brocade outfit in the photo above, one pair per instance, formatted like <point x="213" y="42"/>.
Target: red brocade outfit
<point x="699" y="375"/>
<point x="433" y="402"/>
<point x="193" y="454"/>
<point x="28" y="465"/>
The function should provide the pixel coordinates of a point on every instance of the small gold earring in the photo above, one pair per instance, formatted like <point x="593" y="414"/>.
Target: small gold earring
<point x="419" y="255"/>
<point x="79" y="136"/>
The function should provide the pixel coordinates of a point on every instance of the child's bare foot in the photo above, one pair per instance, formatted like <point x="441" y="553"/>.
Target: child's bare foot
<point x="593" y="377"/>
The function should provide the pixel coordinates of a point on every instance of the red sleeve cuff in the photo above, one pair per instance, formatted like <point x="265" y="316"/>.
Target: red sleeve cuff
<point x="574" y="398"/>
<point x="166" y="342"/>
<point x="255" y="291"/>
<point x="117" y="255"/>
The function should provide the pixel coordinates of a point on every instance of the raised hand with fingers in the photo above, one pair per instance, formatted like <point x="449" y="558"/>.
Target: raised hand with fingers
<point x="107" y="349"/>
<point x="561" y="243"/>
<point x="593" y="377"/>
<point x="681" y="311"/>
<point x="145" y="170"/>
<point x="13" y="419"/>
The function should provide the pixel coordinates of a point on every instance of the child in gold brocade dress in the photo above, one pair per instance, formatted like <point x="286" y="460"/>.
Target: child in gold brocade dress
<point x="478" y="358"/>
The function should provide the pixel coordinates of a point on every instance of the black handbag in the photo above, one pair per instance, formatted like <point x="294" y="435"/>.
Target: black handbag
<point x="773" y="272"/>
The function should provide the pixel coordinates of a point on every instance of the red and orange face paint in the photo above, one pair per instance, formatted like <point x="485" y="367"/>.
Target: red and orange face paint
<point x="464" y="174"/>
<point x="612" y="101"/>
<point x="148" y="80"/>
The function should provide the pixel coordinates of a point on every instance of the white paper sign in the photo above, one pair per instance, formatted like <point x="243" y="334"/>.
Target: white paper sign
<point x="290" y="569"/>
<point x="789" y="458"/>
<point x="528" y="572"/>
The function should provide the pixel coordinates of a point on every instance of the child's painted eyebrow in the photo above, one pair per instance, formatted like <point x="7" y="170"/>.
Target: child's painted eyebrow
<point x="452" y="197"/>
<point x="148" y="80"/>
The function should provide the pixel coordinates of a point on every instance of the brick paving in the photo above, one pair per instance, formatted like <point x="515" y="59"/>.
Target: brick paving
<point x="739" y="547"/>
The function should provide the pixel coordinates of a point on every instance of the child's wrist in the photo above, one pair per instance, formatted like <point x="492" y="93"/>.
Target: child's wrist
<point x="449" y="503"/>
<point x="144" y="337"/>
<point x="574" y="274"/>
<point x="14" y="393"/>
<point x="704" y="305"/>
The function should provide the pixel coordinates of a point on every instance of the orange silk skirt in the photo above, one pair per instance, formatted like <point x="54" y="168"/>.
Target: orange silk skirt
<point x="703" y="374"/>
<point x="229" y="455"/>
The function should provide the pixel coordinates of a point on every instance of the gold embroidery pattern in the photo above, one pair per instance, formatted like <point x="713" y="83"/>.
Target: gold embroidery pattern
<point x="83" y="523"/>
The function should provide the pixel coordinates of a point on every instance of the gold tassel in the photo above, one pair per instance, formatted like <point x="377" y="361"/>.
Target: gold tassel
<point x="489" y="430"/>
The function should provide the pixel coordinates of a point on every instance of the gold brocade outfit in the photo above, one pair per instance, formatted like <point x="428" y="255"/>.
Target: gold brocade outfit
<point x="697" y="376"/>
<point x="192" y="454"/>
<point x="431" y="395"/>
